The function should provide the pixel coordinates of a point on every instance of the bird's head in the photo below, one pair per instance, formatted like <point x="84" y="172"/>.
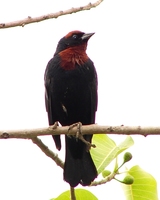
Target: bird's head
<point x="73" y="39"/>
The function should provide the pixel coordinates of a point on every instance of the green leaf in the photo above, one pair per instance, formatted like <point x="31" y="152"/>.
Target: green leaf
<point x="81" y="194"/>
<point x="106" y="150"/>
<point x="144" y="186"/>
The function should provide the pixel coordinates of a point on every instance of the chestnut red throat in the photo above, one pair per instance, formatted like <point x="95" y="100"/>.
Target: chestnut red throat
<point x="73" y="56"/>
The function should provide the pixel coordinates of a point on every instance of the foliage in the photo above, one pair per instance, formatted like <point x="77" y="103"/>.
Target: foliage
<point x="106" y="150"/>
<point x="137" y="184"/>
<point x="144" y="186"/>
<point x="81" y="194"/>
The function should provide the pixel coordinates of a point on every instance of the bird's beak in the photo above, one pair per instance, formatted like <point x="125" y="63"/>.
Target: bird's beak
<point x="86" y="36"/>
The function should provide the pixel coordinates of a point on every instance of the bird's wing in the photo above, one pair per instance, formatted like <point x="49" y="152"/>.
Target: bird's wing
<point x="49" y="85"/>
<point x="93" y="87"/>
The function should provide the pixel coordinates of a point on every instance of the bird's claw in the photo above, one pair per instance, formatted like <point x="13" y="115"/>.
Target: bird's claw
<point x="79" y="135"/>
<point x="88" y="144"/>
<point x="79" y="131"/>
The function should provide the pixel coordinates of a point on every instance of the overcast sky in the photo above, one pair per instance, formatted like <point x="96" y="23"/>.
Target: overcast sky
<point x="126" y="53"/>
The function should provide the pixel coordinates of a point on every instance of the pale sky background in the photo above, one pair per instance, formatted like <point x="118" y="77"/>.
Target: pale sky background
<point x="126" y="53"/>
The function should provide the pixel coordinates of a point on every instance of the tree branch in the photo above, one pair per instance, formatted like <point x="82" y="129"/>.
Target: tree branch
<point x="30" y="20"/>
<point x="72" y="192"/>
<point x="48" y="152"/>
<point x="105" y="180"/>
<point x="86" y="129"/>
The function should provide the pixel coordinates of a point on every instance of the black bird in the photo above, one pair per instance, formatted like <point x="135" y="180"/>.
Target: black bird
<point x="71" y="97"/>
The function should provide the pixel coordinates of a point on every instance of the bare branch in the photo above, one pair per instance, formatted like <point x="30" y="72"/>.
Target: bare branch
<point x="30" y="20"/>
<point x="86" y="129"/>
<point x="48" y="152"/>
<point x="105" y="180"/>
<point x="72" y="192"/>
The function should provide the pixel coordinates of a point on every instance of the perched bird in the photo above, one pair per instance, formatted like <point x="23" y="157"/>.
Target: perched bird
<point x="70" y="97"/>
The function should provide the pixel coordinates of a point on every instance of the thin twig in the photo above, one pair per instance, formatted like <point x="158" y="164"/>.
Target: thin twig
<point x="30" y="20"/>
<point x="72" y="192"/>
<point x="86" y="129"/>
<point x="105" y="180"/>
<point x="48" y="152"/>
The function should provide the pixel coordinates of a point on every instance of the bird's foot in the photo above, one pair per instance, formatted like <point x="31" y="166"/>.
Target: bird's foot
<point x="79" y="135"/>
<point x="78" y="125"/>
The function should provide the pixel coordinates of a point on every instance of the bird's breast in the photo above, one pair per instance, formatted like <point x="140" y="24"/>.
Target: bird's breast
<point x="71" y="59"/>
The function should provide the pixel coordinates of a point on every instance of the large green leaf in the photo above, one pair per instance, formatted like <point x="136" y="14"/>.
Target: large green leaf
<point x="144" y="186"/>
<point x="81" y="194"/>
<point x="106" y="150"/>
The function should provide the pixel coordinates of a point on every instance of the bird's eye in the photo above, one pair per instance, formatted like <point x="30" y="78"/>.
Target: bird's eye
<point x="74" y="36"/>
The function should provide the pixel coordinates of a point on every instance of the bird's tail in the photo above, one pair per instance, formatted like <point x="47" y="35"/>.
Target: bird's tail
<point x="79" y="166"/>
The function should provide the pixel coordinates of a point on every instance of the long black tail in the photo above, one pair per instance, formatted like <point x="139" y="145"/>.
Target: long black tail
<point x="79" y="166"/>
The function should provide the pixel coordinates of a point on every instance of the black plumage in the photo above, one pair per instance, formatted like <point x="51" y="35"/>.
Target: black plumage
<point x="70" y="97"/>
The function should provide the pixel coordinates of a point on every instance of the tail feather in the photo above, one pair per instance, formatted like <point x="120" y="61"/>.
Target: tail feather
<point x="79" y="166"/>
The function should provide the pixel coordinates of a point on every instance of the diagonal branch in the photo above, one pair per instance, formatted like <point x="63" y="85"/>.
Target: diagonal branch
<point x="104" y="181"/>
<point x="48" y="152"/>
<point x="30" y="20"/>
<point x="86" y="129"/>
